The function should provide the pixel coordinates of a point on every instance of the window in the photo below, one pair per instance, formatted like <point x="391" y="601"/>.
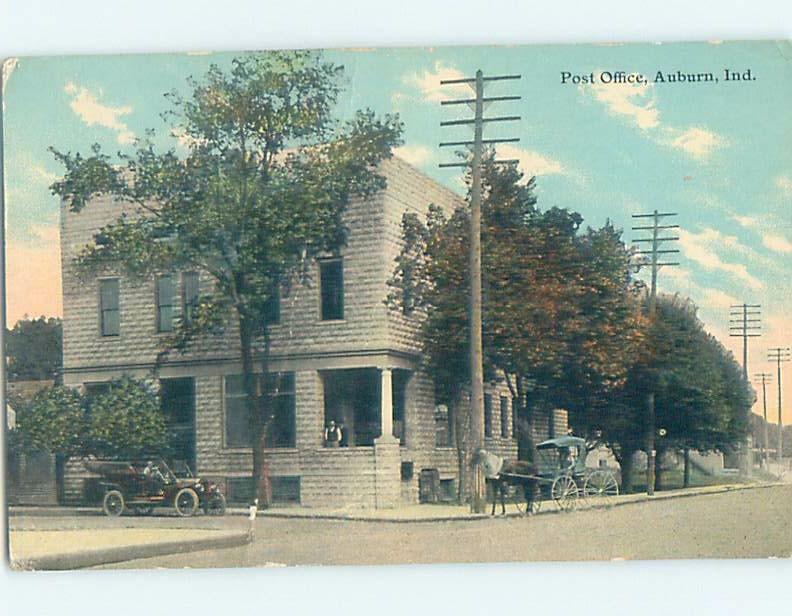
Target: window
<point x="331" y="274"/>
<point x="443" y="426"/>
<point x="190" y="294"/>
<point x="165" y="293"/>
<point x="177" y="401"/>
<point x="504" y="416"/>
<point x="487" y="415"/>
<point x="272" y="308"/>
<point x="280" y="403"/>
<point x="236" y="415"/>
<point x="515" y="419"/>
<point x="109" y="312"/>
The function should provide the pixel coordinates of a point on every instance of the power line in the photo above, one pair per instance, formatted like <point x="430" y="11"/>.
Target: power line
<point x="779" y="355"/>
<point x="744" y="322"/>
<point x="477" y="123"/>
<point x="656" y="240"/>
<point x="764" y="377"/>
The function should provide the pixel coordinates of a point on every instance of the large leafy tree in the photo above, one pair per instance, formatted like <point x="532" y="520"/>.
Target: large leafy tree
<point x="54" y="421"/>
<point x="34" y="348"/>
<point x="261" y="192"/>
<point x="560" y="316"/>
<point x="126" y="421"/>
<point x="701" y="398"/>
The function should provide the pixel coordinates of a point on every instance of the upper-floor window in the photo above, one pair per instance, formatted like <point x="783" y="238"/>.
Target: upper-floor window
<point x="504" y="416"/>
<point x="272" y="308"/>
<point x="190" y="294"/>
<point x="487" y="415"/>
<point x="165" y="293"/>
<point x="109" y="309"/>
<point x="332" y="288"/>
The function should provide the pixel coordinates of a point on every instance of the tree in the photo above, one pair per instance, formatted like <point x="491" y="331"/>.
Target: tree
<point x="701" y="399"/>
<point x="560" y="315"/>
<point x="261" y="192"/>
<point x="126" y="421"/>
<point x="34" y="348"/>
<point x="53" y="421"/>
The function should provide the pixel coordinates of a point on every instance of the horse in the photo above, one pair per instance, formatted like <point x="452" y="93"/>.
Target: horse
<point x="501" y="474"/>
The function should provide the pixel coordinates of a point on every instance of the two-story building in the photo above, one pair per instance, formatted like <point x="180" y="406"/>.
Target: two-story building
<point x="338" y="352"/>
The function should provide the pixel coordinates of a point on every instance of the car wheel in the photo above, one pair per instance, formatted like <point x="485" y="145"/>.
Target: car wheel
<point x="186" y="502"/>
<point x="113" y="503"/>
<point x="216" y="504"/>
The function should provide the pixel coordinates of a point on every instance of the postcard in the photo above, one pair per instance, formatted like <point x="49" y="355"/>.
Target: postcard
<point x="388" y="306"/>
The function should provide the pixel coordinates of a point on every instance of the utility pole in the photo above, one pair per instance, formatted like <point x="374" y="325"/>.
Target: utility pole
<point x="654" y="254"/>
<point x="765" y="378"/>
<point x="476" y="146"/>
<point x="745" y="322"/>
<point x="779" y="355"/>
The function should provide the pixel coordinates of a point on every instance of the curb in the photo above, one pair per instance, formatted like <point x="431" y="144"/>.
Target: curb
<point x="473" y="517"/>
<point x="90" y="558"/>
<point x="630" y="499"/>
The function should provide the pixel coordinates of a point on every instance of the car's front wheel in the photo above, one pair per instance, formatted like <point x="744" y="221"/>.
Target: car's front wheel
<point x="113" y="503"/>
<point x="186" y="502"/>
<point x="216" y="504"/>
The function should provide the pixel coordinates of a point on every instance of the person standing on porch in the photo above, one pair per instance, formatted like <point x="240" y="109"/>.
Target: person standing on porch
<point x="332" y="435"/>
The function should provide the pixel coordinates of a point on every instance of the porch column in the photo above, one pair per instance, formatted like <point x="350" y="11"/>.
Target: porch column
<point x="386" y="402"/>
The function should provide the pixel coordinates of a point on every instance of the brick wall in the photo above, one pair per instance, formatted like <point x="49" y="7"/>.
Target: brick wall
<point x="374" y="240"/>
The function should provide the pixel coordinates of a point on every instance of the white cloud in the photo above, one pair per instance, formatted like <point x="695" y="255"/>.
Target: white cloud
<point x="531" y="163"/>
<point x="635" y="101"/>
<point x="8" y="67"/>
<point x="416" y="155"/>
<point x="698" y="142"/>
<point x="784" y="183"/>
<point x="777" y="243"/>
<point x="715" y="299"/>
<point x="702" y="248"/>
<point x="428" y="83"/>
<point x="771" y="241"/>
<point x="637" y="104"/>
<point x="86" y="105"/>
<point x="749" y="222"/>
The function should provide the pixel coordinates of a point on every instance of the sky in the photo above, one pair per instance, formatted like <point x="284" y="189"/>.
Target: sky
<point x="717" y="153"/>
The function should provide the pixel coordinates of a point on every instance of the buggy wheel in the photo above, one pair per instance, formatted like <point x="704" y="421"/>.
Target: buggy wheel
<point x="565" y="493"/>
<point x="216" y="504"/>
<point x="601" y="487"/>
<point x="113" y="503"/>
<point x="186" y="502"/>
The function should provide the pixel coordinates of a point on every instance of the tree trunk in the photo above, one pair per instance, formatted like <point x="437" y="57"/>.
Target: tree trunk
<point x="686" y="480"/>
<point x="261" y="488"/>
<point x="626" y="465"/>
<point x="658" y="470"/>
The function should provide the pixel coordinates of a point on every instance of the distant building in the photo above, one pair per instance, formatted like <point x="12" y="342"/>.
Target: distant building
<point x="339" y="353"/>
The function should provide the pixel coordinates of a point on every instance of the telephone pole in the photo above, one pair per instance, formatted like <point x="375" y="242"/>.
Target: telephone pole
<point x="745" y="322"/>
<point x="764" y="377"/>
<point x="779" y="355"/>
<point x="654" y="255"/>
<point x="476" y="147"/>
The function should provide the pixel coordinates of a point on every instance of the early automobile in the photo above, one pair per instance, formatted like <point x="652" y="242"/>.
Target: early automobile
<point x="140" y="486"/>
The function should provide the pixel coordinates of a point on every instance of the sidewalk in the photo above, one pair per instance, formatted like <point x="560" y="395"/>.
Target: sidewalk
<point x="415" y="513"/>
<point x="75" y="549"/>
<point x="447" y="512"/>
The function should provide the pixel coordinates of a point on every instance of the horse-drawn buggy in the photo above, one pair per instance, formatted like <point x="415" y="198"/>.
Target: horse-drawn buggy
<point x="559" y="474"/>
<point x="143" y="485"/>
